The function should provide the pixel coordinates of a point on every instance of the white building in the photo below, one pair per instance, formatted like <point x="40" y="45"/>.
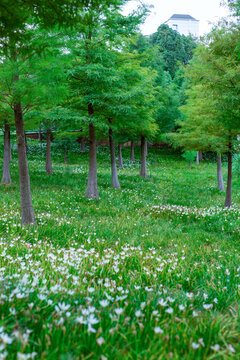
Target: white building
<point x="184" y="24"/>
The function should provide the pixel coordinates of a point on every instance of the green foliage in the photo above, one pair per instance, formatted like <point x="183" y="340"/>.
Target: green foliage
<point x="189" y="155"/>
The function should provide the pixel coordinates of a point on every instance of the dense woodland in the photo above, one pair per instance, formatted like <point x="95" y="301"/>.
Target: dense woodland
<point x="77" y="74"/>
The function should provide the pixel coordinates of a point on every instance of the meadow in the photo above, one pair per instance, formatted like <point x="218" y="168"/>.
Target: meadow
<point x="150" y="271"/>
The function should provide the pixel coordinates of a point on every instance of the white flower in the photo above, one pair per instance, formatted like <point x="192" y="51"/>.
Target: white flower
<point x="169" y="310"/>
<point x="100" y="340"/>
<point x="227" y="272"/>
<point x="215" y="347"/>
<point x="181" y="307"/>
<point x="6" y="339"/>
<point x="195" y="345"/>
<point x="231" y="348"/>
<point x="91" y="289"/>
<point x="138" y="313"/>
<point x="158" y="330"/>
<point x="104" y="303"/>
<point x="118" y="311"/>
<point x="207" y="306"/>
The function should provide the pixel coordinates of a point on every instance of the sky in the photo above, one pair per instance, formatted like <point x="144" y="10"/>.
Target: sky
<point x="207" y="11"/>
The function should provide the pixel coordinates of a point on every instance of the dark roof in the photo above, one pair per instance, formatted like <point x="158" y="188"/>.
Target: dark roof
<point x="181" y="17"/>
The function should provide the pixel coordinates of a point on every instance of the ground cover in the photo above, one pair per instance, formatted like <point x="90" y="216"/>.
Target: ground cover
<point x="146" y="272"/>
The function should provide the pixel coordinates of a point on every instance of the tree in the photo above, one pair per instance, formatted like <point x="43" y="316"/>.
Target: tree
<point x="18" y="27"/>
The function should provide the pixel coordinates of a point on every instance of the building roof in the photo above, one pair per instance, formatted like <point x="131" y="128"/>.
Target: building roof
<point x="181" y="17"/>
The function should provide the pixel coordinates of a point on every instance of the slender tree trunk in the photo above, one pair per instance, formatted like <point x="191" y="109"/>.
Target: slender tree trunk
<point x="120" y="160"/>
<point x="132" y="151"/>
<point x="6" y="178"/>
<point x="143" y="170"/>
<point x="115" y="181"/>
<point x="200" y="155"/>
<point x="48" y="153"/>
<point x="228" y="201"/>
<point x="27" y="211"/>
<point x="82" y="145"/>
<point x="10" y="149"/>
<point x="92" y="188"/>
<point x="197" y="158"/>
<point x="26" y="145"/>
<point x="219" y="173"/>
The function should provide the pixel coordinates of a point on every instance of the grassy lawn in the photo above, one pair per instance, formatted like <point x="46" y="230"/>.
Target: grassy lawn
<point x="120" y="278"/>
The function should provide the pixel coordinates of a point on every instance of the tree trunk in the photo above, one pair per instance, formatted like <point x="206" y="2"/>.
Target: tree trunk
<point x="10" y="149"/>
<point x="82" y="145"/>
<point x="27" y="211"/>
<point x="26" y="145"/>
<point x="92" y="188"/>
<point x="200" y="155"/>
<point x="6" y="179"/>
<point x="115" y="181"/>
<point x="48" y="153"/>
<point x="120" y="160"/>
<point x="143" y="170"/>
<point x="197" y="158"/>
<point x="219" y="174"/>
<point x="132" y="151"/>
<point x="228" y="201"/>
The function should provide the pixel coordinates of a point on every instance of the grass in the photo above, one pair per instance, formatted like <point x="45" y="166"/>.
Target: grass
<point x="117" y="278"/>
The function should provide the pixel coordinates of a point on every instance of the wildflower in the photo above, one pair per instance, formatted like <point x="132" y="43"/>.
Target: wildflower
<point x="195" y="345"/>
<point x="158" y="330"/>
<point x="118" y="311"/>
<point x="169" y="310"/>
<point x="100" y="341"/>
<point x="104" y="303"/>
<point x="215" y="347"/>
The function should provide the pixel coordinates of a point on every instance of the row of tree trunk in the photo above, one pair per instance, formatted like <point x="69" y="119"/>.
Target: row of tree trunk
<point x="28" y="216"/>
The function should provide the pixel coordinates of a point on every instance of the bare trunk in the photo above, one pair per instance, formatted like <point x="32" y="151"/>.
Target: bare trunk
<point x="197" y="158"/>
<point x="6" y="179"/>
<point x="132" y="151"/>
<point x="228" y="201"/>
<point x="115" y="182"/>
<point x="143" y="170"/>
<point x="219" y="174"/>
<point x="48" y="153"/>
<point x="82" y="145"/>
<point x="200" y="155"/>
<point x="66" y="157"/>
<point x="27" y="211"/>
<point x="120" y="160"/>
<point x="26" y="145"/>
<point x="92" y="188"/>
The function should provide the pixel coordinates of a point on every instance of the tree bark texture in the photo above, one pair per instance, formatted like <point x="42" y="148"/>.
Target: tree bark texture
<point x="48" y="153"/>
<point x="197" y="158"/>
<point x="27" y="211"/>
<point x="115" y="181"/>
<point x="120" y="160"/>
<point x="82" y="145"/>
<point x="219" y="173"/>
<point x="143" y="170"/>
<point x="6" y="178"/>
<point x="228" y="201"/>
<point x="26" y="145"/>
<point x="92" y="188"/>
<point x="132" y="151"/>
